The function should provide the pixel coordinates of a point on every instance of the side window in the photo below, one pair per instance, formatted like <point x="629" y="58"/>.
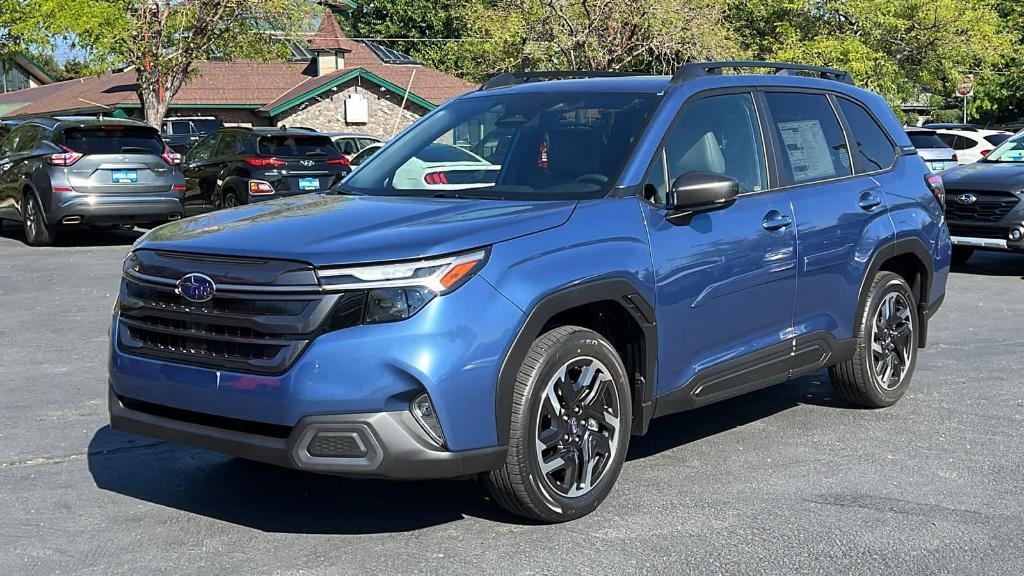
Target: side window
<point x="347" y="146"/>
<point x="949" y="139"/>
<point x="29" y="138"/>
<point x="227" y="146"/>
<point x="11" y="142"/>
<point x="204" y="149"/>
<point x="717" y="134"/>
<point x="812" y="145"/>
<point x="969" y="142"/>
<point x="873" y="150"/>
<point x="180" y="127"/>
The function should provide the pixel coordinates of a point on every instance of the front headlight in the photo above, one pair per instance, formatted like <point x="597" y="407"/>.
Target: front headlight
<point x="396" y="291"/>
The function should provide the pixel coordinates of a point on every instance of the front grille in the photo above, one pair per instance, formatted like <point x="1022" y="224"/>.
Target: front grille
<point x="246" y="327"/>
<point x="989" y="206"/>
<point x="335" y="445"/>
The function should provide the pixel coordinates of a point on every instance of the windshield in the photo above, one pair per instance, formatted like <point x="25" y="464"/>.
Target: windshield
<point x="514" y="146"/>
<point x="1011" y="150"/>
<point x="926" y="140"/>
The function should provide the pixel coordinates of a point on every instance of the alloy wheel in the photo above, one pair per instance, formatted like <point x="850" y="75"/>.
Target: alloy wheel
<point x="31" y="219"/>
<point x="892" y="340"/>
<point x="577" y="427"/>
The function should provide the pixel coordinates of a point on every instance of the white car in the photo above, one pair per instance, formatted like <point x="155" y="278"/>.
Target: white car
<point x="446" y="167"/>
<point x="974" y="144"/>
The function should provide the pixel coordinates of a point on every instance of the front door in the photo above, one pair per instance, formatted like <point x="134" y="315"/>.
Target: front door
<point x="200" y="171"/>
<point x="726" y="279"/>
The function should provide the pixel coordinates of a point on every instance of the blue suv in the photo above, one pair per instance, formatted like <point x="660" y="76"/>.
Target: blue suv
<point x="632" y="246"/>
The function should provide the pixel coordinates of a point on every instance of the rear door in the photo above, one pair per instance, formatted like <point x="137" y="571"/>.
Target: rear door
<point x="840" y="209"/>
<point x="117" y="159"/>
<point x="11" y="172"/>
<point x="312" y="162"/>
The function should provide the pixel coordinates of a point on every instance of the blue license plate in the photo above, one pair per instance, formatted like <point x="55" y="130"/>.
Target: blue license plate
<point x="309" y="184"/>
<point x="124" y="176"/>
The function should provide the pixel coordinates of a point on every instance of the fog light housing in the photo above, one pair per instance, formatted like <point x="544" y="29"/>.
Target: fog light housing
<point x="1016" y="234"/>
<point x="423" y="410"/>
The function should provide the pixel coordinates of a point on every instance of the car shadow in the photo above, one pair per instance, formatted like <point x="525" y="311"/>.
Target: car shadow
<point x="274" y="499"/>
<point x="77" y="237"/>
<point x="985" y="263"/>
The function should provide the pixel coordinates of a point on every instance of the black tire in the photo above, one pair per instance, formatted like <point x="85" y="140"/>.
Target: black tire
<point x="230" y="199"/>
<point x="859" y="380"/>
<point x="521" y="486"/>
<point x="37" y="231"/>
<point x="961" y="254"/>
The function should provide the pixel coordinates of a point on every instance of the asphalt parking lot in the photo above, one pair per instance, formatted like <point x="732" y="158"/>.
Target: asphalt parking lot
<point x="789" y="480"/>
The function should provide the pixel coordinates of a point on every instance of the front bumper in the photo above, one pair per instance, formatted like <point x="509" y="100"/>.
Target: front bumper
<point x="107" y="209"/>
<point x="377" y="445"/>
<point x="986" y="243"/>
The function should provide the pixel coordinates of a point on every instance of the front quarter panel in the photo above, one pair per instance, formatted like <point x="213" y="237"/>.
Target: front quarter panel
<point x="603" y="239"/>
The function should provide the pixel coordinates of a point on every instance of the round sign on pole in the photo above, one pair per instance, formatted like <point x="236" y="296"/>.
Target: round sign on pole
<point x="966" y="86"/>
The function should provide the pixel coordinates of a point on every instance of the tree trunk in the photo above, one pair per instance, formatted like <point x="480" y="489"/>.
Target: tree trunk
<point x="153" y="107"/>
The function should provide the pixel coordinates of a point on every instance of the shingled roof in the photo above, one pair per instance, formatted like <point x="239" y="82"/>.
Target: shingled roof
<point x="261" y="86"/>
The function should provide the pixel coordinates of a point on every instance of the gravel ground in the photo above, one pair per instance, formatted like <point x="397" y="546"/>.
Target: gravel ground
<point x="788" y="480"/>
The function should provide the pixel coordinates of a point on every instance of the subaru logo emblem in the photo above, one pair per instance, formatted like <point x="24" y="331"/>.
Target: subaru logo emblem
<point x="307" y="162"/>
<point x="196" y="287"/>
<point x="967" y="199"/>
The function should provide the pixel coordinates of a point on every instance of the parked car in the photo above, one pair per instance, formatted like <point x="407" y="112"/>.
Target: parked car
<point x="937" y="155"/>
<point x="973" y="145"/>
<point x="364" y="154"/>
<point x="351" y="143"/>
<point x="650" y="245"/>
<point x="445" y="167"/>
<point x="182" y="132"/>
<point x="235" y="166"/>
<point x="57" y="173"/>
<point x="983" y="202"/>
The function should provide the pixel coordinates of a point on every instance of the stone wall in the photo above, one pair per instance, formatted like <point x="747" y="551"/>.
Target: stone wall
<point x="327" y="112"/>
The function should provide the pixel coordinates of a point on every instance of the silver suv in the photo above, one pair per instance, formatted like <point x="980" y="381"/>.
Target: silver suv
<point x="103" y="173"/>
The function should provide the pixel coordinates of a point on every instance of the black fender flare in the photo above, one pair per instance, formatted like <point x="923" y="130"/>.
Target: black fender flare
<point x="237" y="183"/>
<point x="30" y="189"/>
<point x="619" y="290"/>
<point x="910" y="245"/>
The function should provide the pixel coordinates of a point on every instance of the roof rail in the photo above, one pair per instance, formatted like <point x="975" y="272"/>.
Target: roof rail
<point x="513" y="78"/>
<point x="700" y="69"/>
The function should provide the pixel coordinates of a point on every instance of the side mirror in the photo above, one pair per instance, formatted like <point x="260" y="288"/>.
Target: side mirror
<point x="694" y="192"/>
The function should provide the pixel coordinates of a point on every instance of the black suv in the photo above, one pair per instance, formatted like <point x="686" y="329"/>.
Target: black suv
<point x="94" y="172"/>
<point x="236" y="166"/>
<point x="182" y="132"/>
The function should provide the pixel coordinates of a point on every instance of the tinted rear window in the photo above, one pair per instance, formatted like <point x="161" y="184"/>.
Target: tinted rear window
<point x="114" y="140"/>
<point x="207" y="125"/>
<point x="997" y="139"/>
<point x="285" y="145"/>
<point x="445" y="153"/>
<point x="926" y="140"/>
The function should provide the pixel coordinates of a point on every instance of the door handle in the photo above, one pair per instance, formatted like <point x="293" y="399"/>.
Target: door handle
<point x="869" y="200"/>
<point x="776" y="220"/>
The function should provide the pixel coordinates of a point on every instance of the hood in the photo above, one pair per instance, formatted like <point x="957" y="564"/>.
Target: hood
<point x="325" y="230"/>
<point x="1008" y="177"/>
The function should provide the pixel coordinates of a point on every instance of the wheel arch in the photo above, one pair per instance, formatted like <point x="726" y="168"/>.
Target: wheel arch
<point x="28" y="189"/>
<point x="614" y="308"/>
<point x="910" y="259"/>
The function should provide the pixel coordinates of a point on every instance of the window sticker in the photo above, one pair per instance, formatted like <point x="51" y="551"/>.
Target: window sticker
<point x="807" y="150"/>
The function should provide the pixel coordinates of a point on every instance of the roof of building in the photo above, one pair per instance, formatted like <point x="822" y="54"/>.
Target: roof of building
<point x="269" y="87"/>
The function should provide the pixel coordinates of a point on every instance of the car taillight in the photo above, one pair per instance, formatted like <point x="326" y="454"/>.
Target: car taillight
<point x="435" y="178"/>
<point x="113" y="127"/>
<point x="343" y="161"/>
<point x="65" y="158"/>
<point x="985" y="153"/>
<point x="934" y="182"/>
<point x="260" y="188"/>
<point x="542" y="154"/>
<point x="261" y="161"/>
<point x="171" y="157"/>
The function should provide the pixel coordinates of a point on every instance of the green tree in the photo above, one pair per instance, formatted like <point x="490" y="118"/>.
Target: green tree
<point x="163" y="39"/>
<point x="895" y="47"/>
